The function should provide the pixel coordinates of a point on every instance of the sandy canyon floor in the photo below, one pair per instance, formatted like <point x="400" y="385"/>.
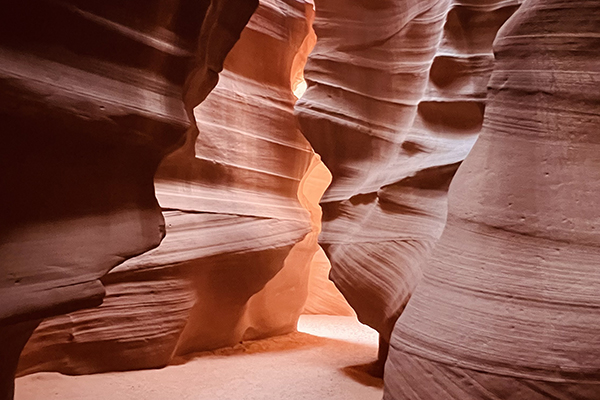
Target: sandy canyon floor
<point x="326" y="359"/>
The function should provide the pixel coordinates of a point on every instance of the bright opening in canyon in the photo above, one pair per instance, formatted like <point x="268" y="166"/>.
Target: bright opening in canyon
<point x="202" y="199"/>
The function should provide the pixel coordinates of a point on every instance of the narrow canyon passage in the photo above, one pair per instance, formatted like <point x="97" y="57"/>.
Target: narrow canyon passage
<point x="207" y="199"/>
<point x="326" y="359"/>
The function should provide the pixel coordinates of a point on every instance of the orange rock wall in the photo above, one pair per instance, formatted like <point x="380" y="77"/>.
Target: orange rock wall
<point x="323" y="296"/>
<point x="240" y="201"/>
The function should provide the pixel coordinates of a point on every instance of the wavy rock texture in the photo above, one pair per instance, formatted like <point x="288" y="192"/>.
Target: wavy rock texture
<point x="509" y="305"/>
<point x="91" y="102"/>
<point x="240" y="200"/>
<point x="395" y="101"/>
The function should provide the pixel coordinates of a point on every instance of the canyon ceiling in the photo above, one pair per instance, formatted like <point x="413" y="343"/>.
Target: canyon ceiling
<point x="170" y="168"/>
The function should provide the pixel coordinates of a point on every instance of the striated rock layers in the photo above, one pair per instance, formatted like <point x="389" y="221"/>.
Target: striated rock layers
<point x="509" y="307"/>
<point x="91" y="101"/>
<point x="395" y="101"/>
<point x="240" y="201"/>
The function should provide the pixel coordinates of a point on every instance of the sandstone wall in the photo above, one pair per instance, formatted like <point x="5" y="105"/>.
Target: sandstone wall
<point x="94" y="98"/>
<point x="91" y="102"/>
<point x="395" y="100"/>
<point x="509" y="304"/>
<point x="240" y="201"/>
<point x="323" y="296"/>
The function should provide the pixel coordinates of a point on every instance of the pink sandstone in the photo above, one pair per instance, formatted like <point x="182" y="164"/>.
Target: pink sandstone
<point x="508" y="308"/>
<point x="395" y="100"/>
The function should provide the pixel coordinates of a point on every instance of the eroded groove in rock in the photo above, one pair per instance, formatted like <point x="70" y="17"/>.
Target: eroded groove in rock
<point x="509" y="304"/>
<point x="395" y="101"/>
<point x="240" y="202"/>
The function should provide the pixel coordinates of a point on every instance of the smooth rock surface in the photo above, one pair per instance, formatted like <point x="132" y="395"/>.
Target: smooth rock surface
<point x="395" y="101"/>
<point x="92" y="100"/>
<point x="323" y="297"/>
<point x="509" y="305"/>
<point x="240" y="201"/>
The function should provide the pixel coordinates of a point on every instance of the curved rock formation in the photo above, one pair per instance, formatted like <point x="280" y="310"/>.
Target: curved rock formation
<point x="509" y="305"/>
<point x="91" y="102"/>
<point x="323" y="297"/>
<point x="240" y="200"/>
<point x="394" y="103"/>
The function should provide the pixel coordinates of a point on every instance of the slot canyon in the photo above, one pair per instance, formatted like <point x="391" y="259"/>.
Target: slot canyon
<point x="300" y="199"/>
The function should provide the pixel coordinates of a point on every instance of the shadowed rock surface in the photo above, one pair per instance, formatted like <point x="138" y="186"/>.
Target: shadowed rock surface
<point x="240" y="200"/>
<point x="91" y="102"/>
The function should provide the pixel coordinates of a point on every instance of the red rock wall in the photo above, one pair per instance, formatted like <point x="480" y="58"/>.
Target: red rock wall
<point x="240" y="201"/>
<point x="508" y="308"/>
<point x="91" y="101"/>
<point x="395" y="101"/>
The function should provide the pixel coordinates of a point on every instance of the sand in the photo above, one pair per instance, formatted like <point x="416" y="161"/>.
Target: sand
<point x="326" y="359"/>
